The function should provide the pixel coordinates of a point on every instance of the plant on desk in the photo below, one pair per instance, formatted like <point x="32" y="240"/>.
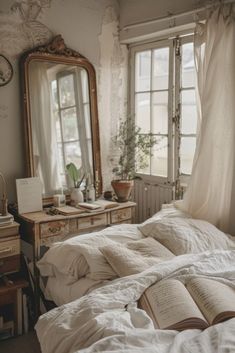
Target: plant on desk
<point x="134" y="149"/>
<point x="77" y="177"/>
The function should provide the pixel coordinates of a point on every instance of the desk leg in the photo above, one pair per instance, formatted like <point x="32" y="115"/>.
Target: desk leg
<point x="19" y="330"/>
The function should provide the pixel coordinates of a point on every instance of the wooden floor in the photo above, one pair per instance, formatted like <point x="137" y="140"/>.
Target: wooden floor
<point x="27" y="343"/>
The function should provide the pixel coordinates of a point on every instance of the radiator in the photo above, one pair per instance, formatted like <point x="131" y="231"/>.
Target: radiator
<point x="149" y="198"/>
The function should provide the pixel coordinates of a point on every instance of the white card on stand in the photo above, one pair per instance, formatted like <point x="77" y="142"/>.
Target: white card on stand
<point x="29" y="195"/>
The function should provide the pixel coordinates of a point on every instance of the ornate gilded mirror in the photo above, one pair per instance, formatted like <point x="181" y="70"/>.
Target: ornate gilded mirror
<point x="60" y="114"/>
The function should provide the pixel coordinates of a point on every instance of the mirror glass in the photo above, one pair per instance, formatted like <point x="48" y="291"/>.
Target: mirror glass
<point x="61" y="118"/>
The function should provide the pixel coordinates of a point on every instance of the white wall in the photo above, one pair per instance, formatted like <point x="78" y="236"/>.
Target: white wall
<point x="88" y="26"/>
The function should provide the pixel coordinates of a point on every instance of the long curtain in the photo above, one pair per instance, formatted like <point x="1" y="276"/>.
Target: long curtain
<point x="43" y="129"/>
<point x="209" y="194"/>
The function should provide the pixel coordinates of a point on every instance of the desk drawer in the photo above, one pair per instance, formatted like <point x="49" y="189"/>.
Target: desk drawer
<point x="54" y="228"/>
<point x="92" y="221"/>
<point x="9" y="247"/>
<point x="119" y="216"/>
<point x="10" y="264"/>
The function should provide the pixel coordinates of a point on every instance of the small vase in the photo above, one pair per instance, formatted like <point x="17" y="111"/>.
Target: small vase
<point x="76" y="196"/>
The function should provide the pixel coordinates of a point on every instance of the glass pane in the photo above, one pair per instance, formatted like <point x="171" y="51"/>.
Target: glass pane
<point x="69" y="124"/>
<point x="63" y="180"/>
<point x="159" y="157"/>
<point x="189" y="112"/>
<point x="57" y="126"/>
<point x="188" y="66"/>
<point x="54" y="95"/>
<point x="142" y="71"/>
<point x="66" y="88"/>
<point x="160" y="113"/>
<point x="73" y="153"/>
<point x="61" y="159"/>
<point x="87" y="120"/>
<point x="89" y="143"/>
<point x="142" y="111"/>
<point x="85" y="88"/>
<point x="160" y="68"/>
<point x="145" y="170"/>
<point x="187" y="149"/>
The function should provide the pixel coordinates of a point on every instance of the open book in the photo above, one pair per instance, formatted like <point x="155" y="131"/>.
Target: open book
<point x="200" y="303"/>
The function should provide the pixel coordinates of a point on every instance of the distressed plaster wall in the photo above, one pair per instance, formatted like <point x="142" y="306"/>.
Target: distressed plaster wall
<point x="88" y="26"/>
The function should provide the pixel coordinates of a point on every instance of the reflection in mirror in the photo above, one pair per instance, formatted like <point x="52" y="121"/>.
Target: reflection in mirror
<point x="61" y="116"/>
<point x="60" y="123"/>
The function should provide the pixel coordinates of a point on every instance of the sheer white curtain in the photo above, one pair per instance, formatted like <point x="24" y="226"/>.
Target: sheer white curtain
<point x="209" y="194"/>
<point x="43" y="129"/>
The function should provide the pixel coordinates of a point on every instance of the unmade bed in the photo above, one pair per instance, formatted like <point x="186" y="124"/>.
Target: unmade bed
<point x="101" y="276"/>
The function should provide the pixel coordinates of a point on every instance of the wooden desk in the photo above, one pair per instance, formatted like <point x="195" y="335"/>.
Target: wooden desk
<point x="41" y="230"/>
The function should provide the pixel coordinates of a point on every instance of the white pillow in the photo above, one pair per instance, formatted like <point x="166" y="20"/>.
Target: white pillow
<point x="186" y="235"/>
<point x="76" y="258"/>
<point x="135" y="257"/>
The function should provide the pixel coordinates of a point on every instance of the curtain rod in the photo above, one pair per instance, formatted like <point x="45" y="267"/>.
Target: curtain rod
<point x="173" y="17"/>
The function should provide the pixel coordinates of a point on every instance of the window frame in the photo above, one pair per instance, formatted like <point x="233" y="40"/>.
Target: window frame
<point x="174" y="103"/>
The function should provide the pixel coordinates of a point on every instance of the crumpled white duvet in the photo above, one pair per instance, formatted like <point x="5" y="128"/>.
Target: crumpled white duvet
<point x="107" y="320"/>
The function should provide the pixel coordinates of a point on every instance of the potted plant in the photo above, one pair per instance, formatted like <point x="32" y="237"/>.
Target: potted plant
<point x="76" y="176"/>
<point x="133" y="148"/>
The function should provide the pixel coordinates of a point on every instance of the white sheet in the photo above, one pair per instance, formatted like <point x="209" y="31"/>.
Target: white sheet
<point x="60" y="292"/>
<point x="80" y="255"/>
<point x="107" y="319"/>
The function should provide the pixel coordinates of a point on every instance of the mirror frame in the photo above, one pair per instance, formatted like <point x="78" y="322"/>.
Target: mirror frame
<point x="56" y="51"/>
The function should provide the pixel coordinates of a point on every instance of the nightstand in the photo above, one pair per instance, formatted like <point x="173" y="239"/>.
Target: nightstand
<point x="11" y="284"/>
<point x="9" y="249"/>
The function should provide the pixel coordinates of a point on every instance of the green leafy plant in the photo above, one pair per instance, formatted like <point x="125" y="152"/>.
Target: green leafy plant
<point x="134" y="149"/>
<point x="75" y="174"/>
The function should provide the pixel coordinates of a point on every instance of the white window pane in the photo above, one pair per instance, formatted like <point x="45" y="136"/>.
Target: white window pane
<point x="160" y="68"/>
<point x="142" y="71"/>
<point x="87" y="120"/>
<point x="146" y="169"/>
<point x="66" y="88"/>
<point x="189" y="112"/>
<point x="160" y="113"/>
<point x="159" y="157"/>
<point x="188" y="66"/>
<point x="63" y="180"/>
<point x="54" y="95"/>
<point x="73" y="153"/>
<point x="85" y="88"/>
<point x="69" y="124"/>
<point x="61" y="159"/>
<point x="142" y="111"/>
<point x="187" y="150"/>
<point x="57" y="126"/>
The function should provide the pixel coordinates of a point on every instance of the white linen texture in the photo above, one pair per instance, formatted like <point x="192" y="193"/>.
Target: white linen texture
<point x="108" y="320"/>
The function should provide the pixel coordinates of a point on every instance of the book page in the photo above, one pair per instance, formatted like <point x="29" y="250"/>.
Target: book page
<point x="171" y="303"/>
<point x="212" y="297"/>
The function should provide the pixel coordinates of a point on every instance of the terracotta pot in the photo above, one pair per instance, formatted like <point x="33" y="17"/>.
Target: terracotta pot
<point x="122" y="189"/>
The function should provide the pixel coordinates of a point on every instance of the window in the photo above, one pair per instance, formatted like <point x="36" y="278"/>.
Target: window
<point x="71" y="110"/>
<point x="163" y="103"/>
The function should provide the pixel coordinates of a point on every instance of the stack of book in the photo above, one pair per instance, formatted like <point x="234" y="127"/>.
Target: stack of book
<point x="6" y="220"/>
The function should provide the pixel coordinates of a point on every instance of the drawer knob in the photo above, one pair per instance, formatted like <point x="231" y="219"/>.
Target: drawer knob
<point x="54" y="230"/>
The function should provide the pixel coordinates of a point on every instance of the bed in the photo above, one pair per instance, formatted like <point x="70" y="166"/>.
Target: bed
<point x="98" y="278"/>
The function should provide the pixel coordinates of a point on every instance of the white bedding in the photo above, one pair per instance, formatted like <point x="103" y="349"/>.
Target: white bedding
<point x="107" y="319"/>
<point x="60" y="292"/>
